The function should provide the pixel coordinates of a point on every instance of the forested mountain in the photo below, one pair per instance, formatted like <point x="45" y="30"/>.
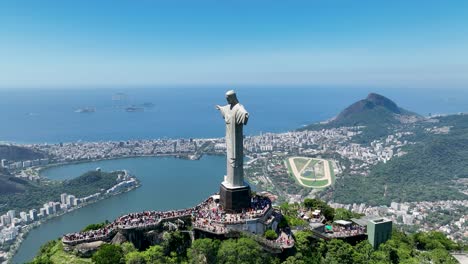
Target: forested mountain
<point x="376" y="112"/>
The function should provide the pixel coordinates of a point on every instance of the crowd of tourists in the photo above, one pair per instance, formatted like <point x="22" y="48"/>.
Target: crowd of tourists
<point x="91" y="235"/>
<point x="285" y="240"/>
<point x="210" y="212"/>
<point x="129" y="221"/>
<point x="347" y="231"/>
<point x="149" y="218"/>
<point x="208" y="216"/>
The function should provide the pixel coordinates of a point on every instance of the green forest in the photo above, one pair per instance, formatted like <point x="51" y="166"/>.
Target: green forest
<point x="430" y="247"/>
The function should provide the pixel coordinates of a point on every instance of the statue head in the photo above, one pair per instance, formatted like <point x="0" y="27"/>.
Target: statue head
<point x="231" y="97"/>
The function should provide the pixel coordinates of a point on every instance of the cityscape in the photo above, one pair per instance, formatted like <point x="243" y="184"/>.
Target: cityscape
<point x="264" y="168"/>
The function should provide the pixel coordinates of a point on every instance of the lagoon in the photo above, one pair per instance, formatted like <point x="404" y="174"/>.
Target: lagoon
<point x="167" y="183"/>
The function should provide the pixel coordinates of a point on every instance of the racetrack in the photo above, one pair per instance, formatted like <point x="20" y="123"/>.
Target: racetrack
<point x="298" y="174"/>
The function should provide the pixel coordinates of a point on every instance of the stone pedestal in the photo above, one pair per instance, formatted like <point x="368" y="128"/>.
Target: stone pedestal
<point x="234" y="199"/>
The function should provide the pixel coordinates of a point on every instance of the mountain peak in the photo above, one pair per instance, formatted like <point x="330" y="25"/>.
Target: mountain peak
<point x="380" y="100"/>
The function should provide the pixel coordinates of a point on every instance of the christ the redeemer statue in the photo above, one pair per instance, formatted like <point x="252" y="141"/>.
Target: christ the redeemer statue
<point x="235" y="117"/>
<point x="235" y="194"/>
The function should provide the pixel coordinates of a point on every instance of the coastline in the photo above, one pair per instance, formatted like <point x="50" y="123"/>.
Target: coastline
<point x="23" y="233"/>
<point x="198" y="156"/>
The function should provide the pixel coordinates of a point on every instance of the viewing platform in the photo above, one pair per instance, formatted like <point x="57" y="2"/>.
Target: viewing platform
<point x="207" y="217"/>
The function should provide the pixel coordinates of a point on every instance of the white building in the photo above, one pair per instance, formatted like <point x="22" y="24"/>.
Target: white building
<point x="5" y="220"/>
<point x="8" y="234"/>
<point x="24" y="217"/>
<point x="56" y="207"/>
<point x="71" y="200"/>
<point x="48" y="209"/>
<point x="63" y="198"/>
<point x="33" y="214"/>
<point x="43" y="212"/>
<point x="12" y="215"/>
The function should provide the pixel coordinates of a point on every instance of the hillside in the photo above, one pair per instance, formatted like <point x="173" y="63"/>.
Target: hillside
<point x="435" y="168"/>
<point x="10" y="184"/>
<point x="376" y="112"/>
<point x="20" y="195"/>
<point x="17" y="153"/>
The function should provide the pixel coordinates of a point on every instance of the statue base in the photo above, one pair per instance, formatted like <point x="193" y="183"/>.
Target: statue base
<point x="234" y="199"/>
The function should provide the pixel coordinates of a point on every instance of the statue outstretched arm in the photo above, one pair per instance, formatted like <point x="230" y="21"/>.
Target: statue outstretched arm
<point x="221" y="110"/>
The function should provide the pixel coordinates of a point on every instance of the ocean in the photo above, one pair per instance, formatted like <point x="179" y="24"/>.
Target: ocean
<point x="48" y="115"/>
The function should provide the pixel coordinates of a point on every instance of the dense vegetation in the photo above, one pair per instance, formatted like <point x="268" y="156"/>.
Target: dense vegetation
<point x="96" y="226"/>
<point x="10" y="184"/>
<point x="34" y="195"/>
<point x="432" y="247"/>
<point x="428" y="172"/>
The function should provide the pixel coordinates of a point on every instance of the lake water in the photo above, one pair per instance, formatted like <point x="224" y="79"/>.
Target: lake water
<point x="167" y="183"/>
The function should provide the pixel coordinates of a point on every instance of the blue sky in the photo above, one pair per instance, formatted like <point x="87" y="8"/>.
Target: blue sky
<point x="68" y="43"/>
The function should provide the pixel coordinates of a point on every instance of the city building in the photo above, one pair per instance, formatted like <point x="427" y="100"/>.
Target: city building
<point x="49" y="209"/>
<point x="33" y="214"/>
<point x="43" y="212"/>
<point x="71" y="200"/>
<point x="5" y="220"/>
<point x="24" y="217"/>
<point x="56" y="207"/>
<point x="12" y="215"/>
<point x="379" y="231"/>
<point x="63" y="198"/>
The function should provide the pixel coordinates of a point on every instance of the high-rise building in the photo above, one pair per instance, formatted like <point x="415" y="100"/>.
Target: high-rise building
<point x="43" y="212"/>
<point x="5" y="220"/>
<point x="63" y="198"/>
<point x="33" y="214"/>
<point x="379" y="231"/>
<point x="3" y="163"/>
<point x="56" y="207"/>
<point x="12" y="215"/>
<point x="49" y="209"/>
<point x="24" y="217"/>
<point x="71" y="200"/>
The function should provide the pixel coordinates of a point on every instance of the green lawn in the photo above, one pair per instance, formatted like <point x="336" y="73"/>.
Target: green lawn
<point x="313" y="162"/>
<point x="58" y="255"/>
<point x="300" y="163"/>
